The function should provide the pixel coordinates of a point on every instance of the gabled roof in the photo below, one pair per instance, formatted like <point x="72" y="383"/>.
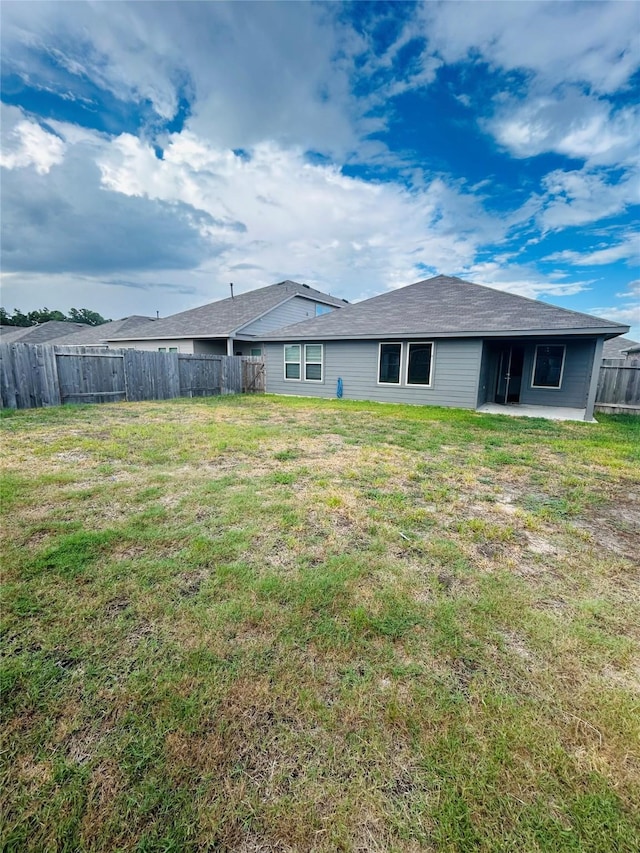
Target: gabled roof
<point x="618" y="347"/>
<point x="226" y="316"/>
<point x="96" y="335"/>
<point x="40" y="334"/>
<point x="445" y="306"/>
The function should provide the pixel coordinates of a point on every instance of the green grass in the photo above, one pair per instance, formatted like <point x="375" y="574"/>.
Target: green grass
<point x="281" y="624"/>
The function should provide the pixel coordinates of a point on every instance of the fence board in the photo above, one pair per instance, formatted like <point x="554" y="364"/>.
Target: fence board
<point x="619" y="385"/>
<point x="34" y="375"/>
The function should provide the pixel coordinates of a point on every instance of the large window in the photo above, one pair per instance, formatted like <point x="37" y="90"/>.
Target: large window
<point x="389" y="364"/>
<point x="548" y="366"/>
<point x="313" y="362"/>
<point x="292" y="361"/>
<point x="419" y="361"/>
<point x="322" y="309"/>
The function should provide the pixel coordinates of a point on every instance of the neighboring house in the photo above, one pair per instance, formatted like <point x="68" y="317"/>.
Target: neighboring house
<point x="89" y="336"/>
<point x="43" y="333"/>
<point x="445" y="342"/>
<point x="619" y="348"/>
<point x="232" y="326"/>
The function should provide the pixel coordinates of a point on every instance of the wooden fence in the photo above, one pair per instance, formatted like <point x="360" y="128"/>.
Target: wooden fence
<point x="619" y="386"/>
<point x="34" y="375"/>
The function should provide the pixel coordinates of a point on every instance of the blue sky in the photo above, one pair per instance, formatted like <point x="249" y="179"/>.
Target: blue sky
<point x="154" y="152"/>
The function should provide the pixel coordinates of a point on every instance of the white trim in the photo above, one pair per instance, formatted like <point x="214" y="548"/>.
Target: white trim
<point x="285" y="362"/>
<point x="557" y="387"/>
<point x="321" y="363"/>
<point x="390" y="343"/>
<point x="406" y="371"/>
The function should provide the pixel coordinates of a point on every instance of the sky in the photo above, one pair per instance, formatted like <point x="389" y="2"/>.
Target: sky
<point x="154" y="152"/>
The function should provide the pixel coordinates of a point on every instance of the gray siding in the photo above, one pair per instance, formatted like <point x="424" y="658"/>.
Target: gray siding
<point x="210" y="347"/>
<point x="184" y="345"/>
<point x="454" y="379"/>
<point x="576" y="376"/>
<point x="293" y="311"/>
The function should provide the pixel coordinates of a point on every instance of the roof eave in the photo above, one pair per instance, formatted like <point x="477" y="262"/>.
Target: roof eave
<point x="596" y="331"/>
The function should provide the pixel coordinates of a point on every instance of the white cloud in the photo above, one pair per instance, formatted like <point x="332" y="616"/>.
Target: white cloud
<point x="303" y="218"/>
<point x="592" y="43"/>
<point x="525" y="280"/>
<point x="632" y="292"/>
<point x="629" y="315"/>
<point x="628" y="249"/>
<point x="585" y="196"/>
<point x="574" y="124"/>
<point x="25" y="143"/>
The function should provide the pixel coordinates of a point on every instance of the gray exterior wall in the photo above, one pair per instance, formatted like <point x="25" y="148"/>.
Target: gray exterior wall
<point x="293" y="311"/>
<point x="464" y="373"/>
<point x="245" y="347"/>
<point x="576" y="376"/>
<point x="185" y="345"/>
<point x="456" y="367"/>
<point x="210" y="347"/>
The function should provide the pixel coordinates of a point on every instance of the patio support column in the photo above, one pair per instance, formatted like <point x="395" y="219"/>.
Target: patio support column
<point x="229" y="346"/>
<point x="595" y="374"/>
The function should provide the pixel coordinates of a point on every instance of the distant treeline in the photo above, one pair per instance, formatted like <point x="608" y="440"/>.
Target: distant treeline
<point x="34" y="318"/>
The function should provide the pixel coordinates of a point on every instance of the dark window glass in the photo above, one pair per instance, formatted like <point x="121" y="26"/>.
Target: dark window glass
<point x="548" y="369"/>
<point x="292" y="371"/>
<point x="419" y="370"/>
<point x="313" y="371"/>
<point x="390" y="363"/>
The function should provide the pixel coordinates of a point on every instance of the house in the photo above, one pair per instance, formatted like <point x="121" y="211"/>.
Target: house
<point x="446" y="342"/>
<point x="620" y="348"/>
<point x="69" y="334"/>
<point x="232" y="326"/>
<point x="90" y="336"/>
<point x="44" y="333"/>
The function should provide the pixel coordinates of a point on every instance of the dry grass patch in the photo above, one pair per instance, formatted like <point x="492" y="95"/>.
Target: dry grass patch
<point x="282" y="624"/>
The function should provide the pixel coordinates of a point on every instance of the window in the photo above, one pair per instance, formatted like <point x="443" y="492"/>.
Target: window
<point x="313" y="362"/>
<point x="389" y="363"/>
<point x="548" y="366"/>
<point x="292" y="361"/>
<point x="173" y="349"/>
<point x="322" y="309"/>
<point x="419" y="361"/>
<point x="256" y="352"/>
<point x="162" y="349"/>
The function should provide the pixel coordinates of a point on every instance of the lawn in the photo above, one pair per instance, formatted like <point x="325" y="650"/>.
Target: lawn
<point x="276" y="624"/>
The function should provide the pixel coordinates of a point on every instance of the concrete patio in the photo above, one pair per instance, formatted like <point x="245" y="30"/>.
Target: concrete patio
<point x="518" y="410"/>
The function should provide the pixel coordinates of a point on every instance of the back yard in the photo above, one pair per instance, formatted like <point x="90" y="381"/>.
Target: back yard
<point x="260" y="624"/>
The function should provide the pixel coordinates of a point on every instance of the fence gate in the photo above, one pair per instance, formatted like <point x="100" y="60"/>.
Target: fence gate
<point x="91" y="377"/>
<point x="253" y="376"/>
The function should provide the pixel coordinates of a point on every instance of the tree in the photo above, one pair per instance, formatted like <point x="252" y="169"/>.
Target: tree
<point x="42" y="315"/>
<point x="84" y="315"/>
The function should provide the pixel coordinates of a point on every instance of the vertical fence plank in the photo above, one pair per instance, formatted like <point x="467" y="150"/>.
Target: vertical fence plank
<point x="34" y="375"/>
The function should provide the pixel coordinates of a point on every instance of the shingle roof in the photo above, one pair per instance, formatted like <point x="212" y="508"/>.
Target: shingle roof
<point x="41" y="334"/>
<point x="95" y="335"/>
<point x="222" y="318"/>
<point x="444" y="306"/>
<point x="617" y="347"/>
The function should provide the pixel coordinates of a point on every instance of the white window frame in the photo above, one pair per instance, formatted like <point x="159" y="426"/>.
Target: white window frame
<point x="298" y="362"/>
<point x="557" y="387"/>
<point x="321" y="363"/>
<point x="384" y="344"/>
<point x="406" y="371"/>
